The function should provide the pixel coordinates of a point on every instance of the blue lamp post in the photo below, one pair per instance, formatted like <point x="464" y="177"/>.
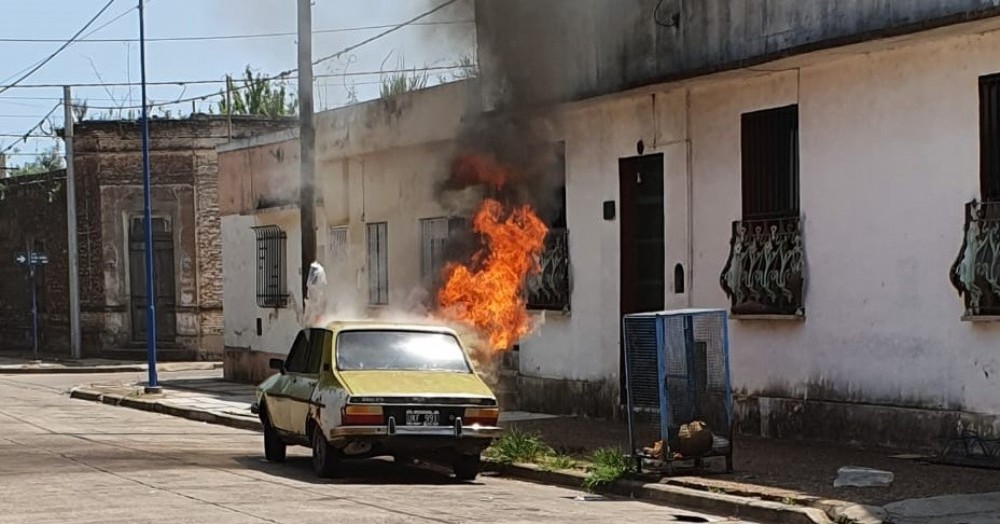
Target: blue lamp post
<point x="153" y="385"/>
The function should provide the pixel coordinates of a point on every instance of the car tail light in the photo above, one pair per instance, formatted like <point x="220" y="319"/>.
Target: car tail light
<point x="363" y="415"/>
<point x="481" y="416"/>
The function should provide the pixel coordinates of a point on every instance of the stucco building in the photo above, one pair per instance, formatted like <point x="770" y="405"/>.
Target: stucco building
<point x="858" y="151"/>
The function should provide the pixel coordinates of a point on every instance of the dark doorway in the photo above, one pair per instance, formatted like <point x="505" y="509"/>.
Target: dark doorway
<point x="163" y="268"/>
<point x="643" y="271"/>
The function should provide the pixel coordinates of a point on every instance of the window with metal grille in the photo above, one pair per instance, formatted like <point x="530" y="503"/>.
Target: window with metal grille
<point x="770" y="158"/>
<point x="435" y="235"/>
<point x="272" y="285"/>
<point x="989" y="138"/>
<point x="378" y="263"/>
<point x="550" y="289"/>
<point x="338" y="245"/>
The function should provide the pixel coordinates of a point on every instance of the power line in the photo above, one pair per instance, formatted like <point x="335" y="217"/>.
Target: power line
<point x="207" y="38"/>
<point x="34" y="127"/>
<point x="287" y="75"/>
<point x="61" y="48"/>
<point x="386" y="32"/>
<point x="121" y="15"/>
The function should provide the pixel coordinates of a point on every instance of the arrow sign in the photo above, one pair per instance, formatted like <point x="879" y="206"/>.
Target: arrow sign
<point x="20" y="258"/>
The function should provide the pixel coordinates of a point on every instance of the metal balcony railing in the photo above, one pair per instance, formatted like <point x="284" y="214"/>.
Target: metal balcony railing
<point x="764" y="273"/>
<point x="550" y="289"/>
<point x="976" y="271"/>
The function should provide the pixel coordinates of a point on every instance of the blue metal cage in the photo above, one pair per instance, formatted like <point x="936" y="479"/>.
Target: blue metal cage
<point x="677" y="372"/>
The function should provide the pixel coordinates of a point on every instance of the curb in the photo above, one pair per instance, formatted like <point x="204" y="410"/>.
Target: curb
<point x="720" y="504"/>
<point x="154" y="406"/>
<point x="112" y="368"/>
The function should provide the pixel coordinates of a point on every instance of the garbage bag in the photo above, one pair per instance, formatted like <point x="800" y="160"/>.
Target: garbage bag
<point x="694" y="439"/>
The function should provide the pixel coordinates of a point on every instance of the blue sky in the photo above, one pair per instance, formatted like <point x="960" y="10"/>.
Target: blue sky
<point x="93" y="62"/>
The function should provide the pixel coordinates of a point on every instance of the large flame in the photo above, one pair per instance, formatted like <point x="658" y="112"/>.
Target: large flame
<point x="488" y="294"/>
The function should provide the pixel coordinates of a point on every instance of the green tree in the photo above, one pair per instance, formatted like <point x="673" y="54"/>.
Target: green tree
<point x="48" y="160"/>
<point x="256" y="94"/>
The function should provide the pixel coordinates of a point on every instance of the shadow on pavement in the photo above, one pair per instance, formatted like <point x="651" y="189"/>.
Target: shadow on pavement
<point x="356" y="472"/>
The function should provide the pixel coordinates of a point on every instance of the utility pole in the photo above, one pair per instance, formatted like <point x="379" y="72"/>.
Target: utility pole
<point x="74" y="259"/>
<point x="153" y="385"/>
<point x="307" y="144"/>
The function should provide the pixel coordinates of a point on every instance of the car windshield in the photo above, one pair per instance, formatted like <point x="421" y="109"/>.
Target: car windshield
<point x="399" y="351"/>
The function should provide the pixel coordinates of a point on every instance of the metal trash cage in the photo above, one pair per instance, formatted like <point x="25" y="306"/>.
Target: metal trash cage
<point x="676" y="372"/>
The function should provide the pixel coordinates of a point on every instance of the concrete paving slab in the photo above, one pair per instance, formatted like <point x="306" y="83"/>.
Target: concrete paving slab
<point x="948" y="509"/>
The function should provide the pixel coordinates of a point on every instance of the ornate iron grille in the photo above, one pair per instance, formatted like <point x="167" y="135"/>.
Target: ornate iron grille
<point x="272" y="285"/>
<point x="764" y="273"/>
<point x="550" y="289"/>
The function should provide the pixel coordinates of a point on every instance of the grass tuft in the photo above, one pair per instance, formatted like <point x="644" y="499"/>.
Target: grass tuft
<point x="518" y="446"/>
<point x="557" y="463"/>
<point x="608" y="466"/>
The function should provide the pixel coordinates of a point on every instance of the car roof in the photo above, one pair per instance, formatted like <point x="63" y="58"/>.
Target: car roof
<point x="381" y="325"/>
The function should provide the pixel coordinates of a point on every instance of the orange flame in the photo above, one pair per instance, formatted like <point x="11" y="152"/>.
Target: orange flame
<point x="488" y="294"/>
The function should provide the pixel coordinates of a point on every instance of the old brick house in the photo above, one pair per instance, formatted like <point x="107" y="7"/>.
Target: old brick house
<point x="33" y="215"/>
<point x="186" y="232"/>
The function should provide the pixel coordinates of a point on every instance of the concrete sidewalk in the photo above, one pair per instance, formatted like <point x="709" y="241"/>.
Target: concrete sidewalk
<point x="774" y="481"/>
<point x="27" y="365"/>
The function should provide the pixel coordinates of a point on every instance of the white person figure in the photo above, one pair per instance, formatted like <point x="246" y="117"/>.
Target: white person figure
<point x="315" y="303"/>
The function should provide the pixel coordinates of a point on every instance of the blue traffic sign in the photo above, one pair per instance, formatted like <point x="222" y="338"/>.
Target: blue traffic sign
<point x="34" y="258"/>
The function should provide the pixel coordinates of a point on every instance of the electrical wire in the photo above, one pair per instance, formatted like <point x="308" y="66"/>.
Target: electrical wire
<point x="34" y="128"/>
<point x="60" y="49"/>
<point x="287" y="75"/>
<point x="208" y="38"/>
<point x="384" y="33"/>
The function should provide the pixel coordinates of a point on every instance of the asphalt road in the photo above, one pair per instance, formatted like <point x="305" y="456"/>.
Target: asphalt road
<point x="64" y="460"/>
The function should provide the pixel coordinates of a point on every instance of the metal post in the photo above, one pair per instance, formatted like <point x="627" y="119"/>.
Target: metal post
<point x="307" y="144"/>
<point x="34" y="305"/>
<point x="74" y="258"/>
<point x="153" y="385"/>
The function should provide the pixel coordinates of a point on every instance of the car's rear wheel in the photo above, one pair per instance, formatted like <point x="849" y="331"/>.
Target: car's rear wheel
<point x="325" y="458"/>
<point x="466" y="467"/>
<point x="274" y="449"/>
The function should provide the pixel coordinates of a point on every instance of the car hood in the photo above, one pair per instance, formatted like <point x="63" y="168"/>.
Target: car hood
<point x="415" y="383"/>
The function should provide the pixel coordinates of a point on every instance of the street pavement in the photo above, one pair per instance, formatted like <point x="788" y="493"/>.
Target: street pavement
<point x="64" y="460"/>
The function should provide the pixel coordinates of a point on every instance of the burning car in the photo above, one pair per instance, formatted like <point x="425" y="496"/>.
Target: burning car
<point x="369" y="389"/>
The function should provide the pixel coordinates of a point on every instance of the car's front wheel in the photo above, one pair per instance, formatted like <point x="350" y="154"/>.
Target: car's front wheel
<point x="325" y="458"/>
<point x="466" y="467"/>
<point x="274" y="449"/>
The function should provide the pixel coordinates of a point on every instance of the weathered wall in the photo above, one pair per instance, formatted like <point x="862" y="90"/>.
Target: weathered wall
<point x="572" y="49"/>
<point x="33" y="212"/>
<point x="239" y="248"/>
<point x="376" y="162"/>
<point x="889" y="156"/>
<point x="184" y="176"/>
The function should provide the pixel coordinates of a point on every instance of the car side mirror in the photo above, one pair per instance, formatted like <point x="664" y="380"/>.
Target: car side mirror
<point x="278" y="364"/>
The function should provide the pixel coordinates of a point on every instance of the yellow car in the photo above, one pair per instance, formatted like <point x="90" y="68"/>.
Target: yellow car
<point x="368" y="389"/>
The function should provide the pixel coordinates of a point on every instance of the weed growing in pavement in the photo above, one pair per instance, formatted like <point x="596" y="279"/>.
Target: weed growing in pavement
<point x="790" y="501"/>
<point x="608" y="465"/>
<point x="517" y="446"/>
<point x="557" y="463"/>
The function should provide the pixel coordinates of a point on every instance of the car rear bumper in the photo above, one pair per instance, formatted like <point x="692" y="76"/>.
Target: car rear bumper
<point x="457" y="432"/>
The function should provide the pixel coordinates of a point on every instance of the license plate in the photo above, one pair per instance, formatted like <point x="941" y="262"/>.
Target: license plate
<point x="422" y="418"/>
